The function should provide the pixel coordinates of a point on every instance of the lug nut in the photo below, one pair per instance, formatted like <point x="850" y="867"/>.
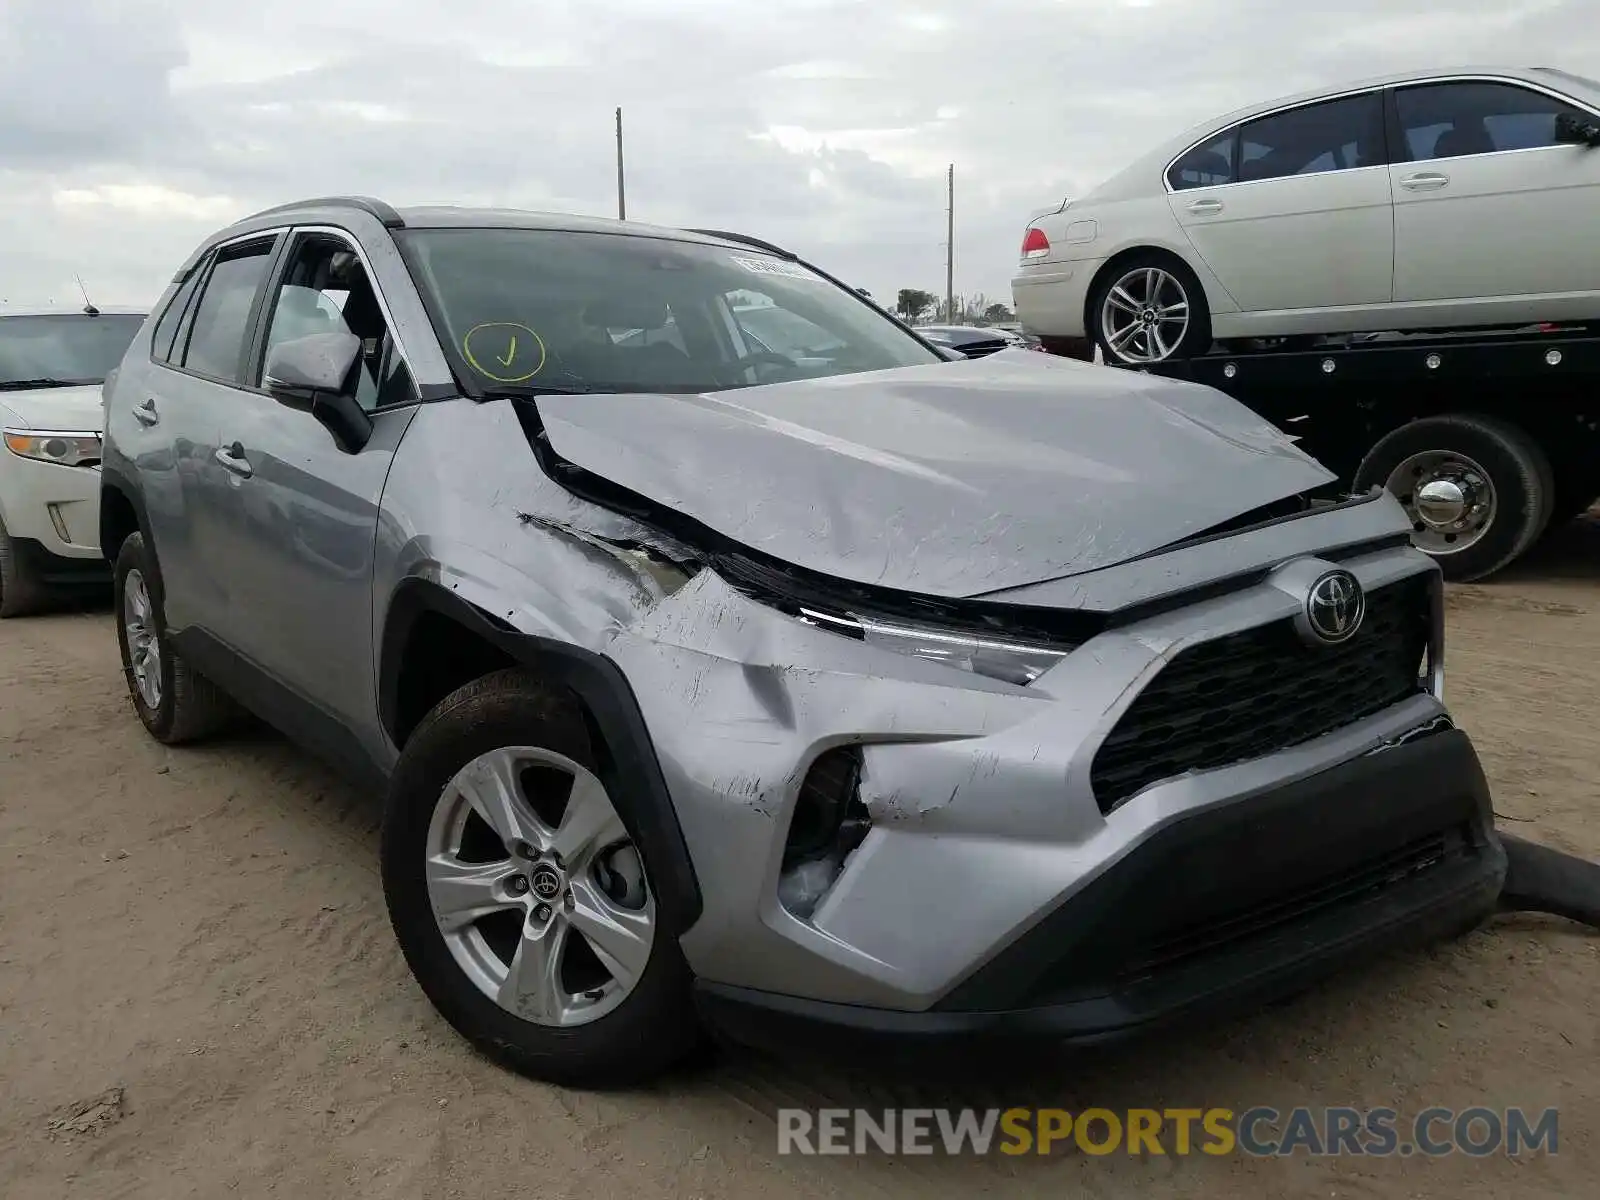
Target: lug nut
<point x="523" y="850"/>
<point x="542" y="912"/>
<point x="518" y="885"/>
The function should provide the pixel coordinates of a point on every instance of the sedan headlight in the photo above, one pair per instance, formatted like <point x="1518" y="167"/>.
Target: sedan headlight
<point x="65" y="449"/>
<point x="997" y="658"/>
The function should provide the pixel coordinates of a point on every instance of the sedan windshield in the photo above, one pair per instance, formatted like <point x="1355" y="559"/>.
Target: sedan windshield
<point x="553" y="309"/>
<point x="62" y="349"/>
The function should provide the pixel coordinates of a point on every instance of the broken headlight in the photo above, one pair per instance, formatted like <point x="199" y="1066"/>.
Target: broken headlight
<point x="996" y="658"/>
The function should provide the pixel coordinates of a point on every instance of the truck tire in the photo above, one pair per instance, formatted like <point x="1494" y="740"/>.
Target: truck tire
<point x="1496" y="495"/>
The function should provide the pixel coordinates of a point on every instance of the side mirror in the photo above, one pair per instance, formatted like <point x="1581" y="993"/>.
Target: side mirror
<point x="1575" y="131"/>
<point x="312" y="374"/>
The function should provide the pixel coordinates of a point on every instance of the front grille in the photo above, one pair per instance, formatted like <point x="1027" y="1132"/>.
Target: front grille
<point x="1253" y="693"/>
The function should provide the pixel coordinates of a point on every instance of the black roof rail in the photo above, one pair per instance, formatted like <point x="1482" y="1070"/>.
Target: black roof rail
<point x="747" y="240"/>
<point x="373" y="208"/>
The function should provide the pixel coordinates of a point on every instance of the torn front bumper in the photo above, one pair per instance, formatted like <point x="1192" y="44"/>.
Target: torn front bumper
<point x="1384" y="851"/>
<point x="981" y="794"/>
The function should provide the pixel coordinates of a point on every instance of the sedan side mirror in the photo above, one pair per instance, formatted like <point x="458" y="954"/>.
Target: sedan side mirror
<point x="1575" y="131"/>
<point x="312" y="374"/>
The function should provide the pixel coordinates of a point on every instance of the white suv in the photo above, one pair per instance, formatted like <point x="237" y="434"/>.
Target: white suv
<point x="52" y="365"/>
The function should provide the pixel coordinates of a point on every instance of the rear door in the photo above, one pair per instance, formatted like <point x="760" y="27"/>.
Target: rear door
<point x="198" y="352"/>
<point x="1488" y="204"/>
<point x="1292" y="210"/>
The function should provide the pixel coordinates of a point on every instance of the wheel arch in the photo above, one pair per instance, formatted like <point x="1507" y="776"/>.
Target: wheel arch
<point x="423" y="612"/>
<point x="121" y="513"/>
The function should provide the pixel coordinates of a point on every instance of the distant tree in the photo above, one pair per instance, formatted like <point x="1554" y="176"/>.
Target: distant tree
<point x="996" y="313"/>
<point x="912" y="303"/>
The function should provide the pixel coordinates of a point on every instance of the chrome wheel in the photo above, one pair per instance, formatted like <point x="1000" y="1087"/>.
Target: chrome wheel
<point x="1145" y="315"/>
<point x="1450" y="499"/>
<point x="536" y="888"/>
<point x="144" y="645"/>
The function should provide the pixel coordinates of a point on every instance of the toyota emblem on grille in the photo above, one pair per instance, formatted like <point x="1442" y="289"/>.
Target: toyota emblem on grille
<point x="1334" y="607"/>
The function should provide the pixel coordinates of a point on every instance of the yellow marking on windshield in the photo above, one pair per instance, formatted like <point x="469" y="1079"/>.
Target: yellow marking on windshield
<point x="521" y="362"/>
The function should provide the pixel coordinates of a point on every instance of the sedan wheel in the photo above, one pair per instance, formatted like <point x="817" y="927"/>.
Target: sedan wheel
<point x="1151" y="311"/>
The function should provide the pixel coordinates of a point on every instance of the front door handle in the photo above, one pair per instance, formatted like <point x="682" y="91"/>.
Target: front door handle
<point x="146" y="413"/>
<point x="232" y="459"/>
<point x="1206" y="207"/>
<point x="1425" y="181"/>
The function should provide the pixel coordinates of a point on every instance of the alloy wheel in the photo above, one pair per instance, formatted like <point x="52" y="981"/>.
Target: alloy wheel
<point x="536" y="888"/>
<point x="1145" y="315"/>
<point x="144" y="644"/>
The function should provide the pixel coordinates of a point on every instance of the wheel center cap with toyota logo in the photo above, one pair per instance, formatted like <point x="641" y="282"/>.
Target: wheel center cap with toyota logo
<point x="1335" y="606"/>
<point x="545" y="883"/>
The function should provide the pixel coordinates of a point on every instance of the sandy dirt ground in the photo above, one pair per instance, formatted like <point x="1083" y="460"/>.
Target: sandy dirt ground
<point x="200" y="995"/>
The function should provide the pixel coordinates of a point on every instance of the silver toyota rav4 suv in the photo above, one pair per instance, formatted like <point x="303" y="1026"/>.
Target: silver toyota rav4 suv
<point x="845" y="692"/>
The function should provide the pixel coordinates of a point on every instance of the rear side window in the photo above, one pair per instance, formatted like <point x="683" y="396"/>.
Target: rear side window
<point x="1336" y="135"/>
<point x="216" y="343"/>
<point x="161" y="341"/>
<point x="1208" y="165"/>
<point x="1453" y="120"/>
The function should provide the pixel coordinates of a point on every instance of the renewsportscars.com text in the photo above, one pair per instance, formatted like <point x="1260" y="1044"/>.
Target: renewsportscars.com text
<point x="1259" y="1132"/>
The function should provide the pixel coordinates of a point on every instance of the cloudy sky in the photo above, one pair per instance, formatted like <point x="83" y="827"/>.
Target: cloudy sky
<point x="129" y="129"/>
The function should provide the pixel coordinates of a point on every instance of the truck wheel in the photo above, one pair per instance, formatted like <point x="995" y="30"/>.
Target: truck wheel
<point x="1150" y="309"/>
<point x="1478" y="490"/>
<point x="524" y="906"/>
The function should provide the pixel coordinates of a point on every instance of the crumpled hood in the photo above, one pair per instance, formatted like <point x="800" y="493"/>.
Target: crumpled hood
<point x="953" y="479"/>
<point x="61" y="410"/>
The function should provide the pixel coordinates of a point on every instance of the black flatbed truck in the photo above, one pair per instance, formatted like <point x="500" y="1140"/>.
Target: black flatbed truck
<point x="1488" y="437"/>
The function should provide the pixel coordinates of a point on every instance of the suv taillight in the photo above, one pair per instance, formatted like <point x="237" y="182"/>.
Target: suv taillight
<point x="1034" y="243"/>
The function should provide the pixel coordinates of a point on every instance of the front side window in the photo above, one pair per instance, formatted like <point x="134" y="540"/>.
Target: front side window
<point x="1208" y="165"/>
<point x="215" y="344"/>
<point x="538" y="308"/>
<point x="165" y="335"/>
<point x="62" y="350"/>
<point x="1453" y="120"/>
<point x="325" y="289"/>
<point x="1336" y="135"/>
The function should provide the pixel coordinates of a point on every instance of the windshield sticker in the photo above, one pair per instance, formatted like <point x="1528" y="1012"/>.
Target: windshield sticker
<point x="772" y="266"/>
<point x="503" y="351"/>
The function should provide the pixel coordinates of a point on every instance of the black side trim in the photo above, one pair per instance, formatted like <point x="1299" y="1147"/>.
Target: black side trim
<point x="294" y="715"/>
<point x="113" y="480"/>
<point x="631" y="772"/>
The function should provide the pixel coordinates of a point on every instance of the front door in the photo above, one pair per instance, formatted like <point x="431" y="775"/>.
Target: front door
<point x="1489" y="206"/>
<point x="302" y="569"/>
<point x="1292" y="210"/>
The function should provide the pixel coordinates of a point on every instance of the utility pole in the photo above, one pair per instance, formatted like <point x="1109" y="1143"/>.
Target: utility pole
<point x="950" y="251"/>
<point x="622" y="195"/>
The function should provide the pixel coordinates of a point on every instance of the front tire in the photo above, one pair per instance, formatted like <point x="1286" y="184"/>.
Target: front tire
<point x="523" y="905"/>
<point x="1150" y="309"/>
<point x="175" y="703"/>
<point x="21" y="595"/>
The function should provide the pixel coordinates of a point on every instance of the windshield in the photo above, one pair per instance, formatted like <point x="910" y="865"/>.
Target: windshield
<point x="59" y="350"/>
<point x="620" y="313"/>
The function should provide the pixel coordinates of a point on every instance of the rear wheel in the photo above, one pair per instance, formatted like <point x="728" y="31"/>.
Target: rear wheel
<point x="1150" y="309"/>
<point x="524" y="905"/>
<point x="175" y="703"/>
<point x="1478" y="490"/>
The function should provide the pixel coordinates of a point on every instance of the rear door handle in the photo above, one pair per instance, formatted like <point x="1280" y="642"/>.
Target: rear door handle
<point x="232" y="459"/>
<point x="146" y="413"/>
<point x="1206" y="207"/>
<point x="1425" y="181"/>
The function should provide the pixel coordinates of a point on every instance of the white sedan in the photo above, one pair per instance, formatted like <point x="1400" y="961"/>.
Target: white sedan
<point x="1441" y="200"/>
<point x="52" y="366"/>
